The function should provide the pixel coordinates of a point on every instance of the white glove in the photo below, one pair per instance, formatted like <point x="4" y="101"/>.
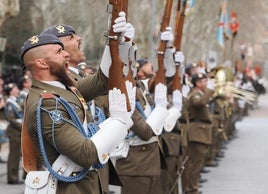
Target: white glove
<point x="210" y="85"/>
<point x="177" y="99"/>
<point x="179" y="57"/>
<point x="131" y="91"/>
<point x="169" y="62"/>
<point x="118" y="105"/>
<point x="130" y="33"/>
<point x="167" y="35"/>
<point x="160" y="95"/>
<point x="120" y="24"/>
<point x="185" y="90"/>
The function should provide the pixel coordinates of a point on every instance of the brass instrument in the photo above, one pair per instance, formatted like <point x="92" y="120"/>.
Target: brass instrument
<point x="224" y="86"/>
<point x="245" y="95"/>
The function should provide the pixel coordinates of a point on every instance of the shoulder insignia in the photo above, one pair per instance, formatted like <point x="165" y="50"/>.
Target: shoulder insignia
<point x="47" y="95"/>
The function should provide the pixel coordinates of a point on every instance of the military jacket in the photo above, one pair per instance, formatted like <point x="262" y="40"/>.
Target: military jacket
<point x="142" y="160"/>
<point x="14" y="115"/>
<point x="199" y="116"/>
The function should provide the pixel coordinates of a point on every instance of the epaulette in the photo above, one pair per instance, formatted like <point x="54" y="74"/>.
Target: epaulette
<point x="47" y="95"/>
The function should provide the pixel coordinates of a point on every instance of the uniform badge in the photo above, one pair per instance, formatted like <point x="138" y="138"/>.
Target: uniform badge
<point x="34" y="40"/>
<point x="60" y="29"/>
<point x="56" y="116"/>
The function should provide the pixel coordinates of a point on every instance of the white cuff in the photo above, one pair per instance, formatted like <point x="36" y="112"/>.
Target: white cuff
<point x="173" y="115"/>
<point x="111" y="133"/>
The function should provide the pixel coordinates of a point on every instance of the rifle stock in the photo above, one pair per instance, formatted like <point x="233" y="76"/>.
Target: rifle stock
<point x="180" y="15"/>
<point x="129" y="76"/>
<point x="160" y="74"/>
<point x="116" y="76"/>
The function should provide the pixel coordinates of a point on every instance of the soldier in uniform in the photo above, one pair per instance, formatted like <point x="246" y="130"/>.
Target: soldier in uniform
<point x="200" y="132"/>
<point x="24" y="84"/>
<point x="77" y="69"/>
<point x="86" y="69"/>
<point x="63" y="135"/>
<point x="72" y="43"/>
<point x="14" y="115"/>
<point x="171" y="135"/>
<point x="139" y="166"/>
<point x="3" y="121"/>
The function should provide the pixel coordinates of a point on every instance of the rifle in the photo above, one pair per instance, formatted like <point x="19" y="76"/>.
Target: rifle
<point x="116" y="76"/>
<point x="129" y="76"/>
<point x="180" y="15"/>
<point x="160" y="74"/>
<point x="179" y="173"/>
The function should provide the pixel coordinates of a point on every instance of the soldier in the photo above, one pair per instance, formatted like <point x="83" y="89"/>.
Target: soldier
<point x="200" y="132"/>
<point x="2" y="116"/>
<point x="61" y="116"/>
<point x="86" y="69"/>
<point x="24" y="84"/>
<point x="72" y="43"/>
<point x="171" y="136"/>
<point x="77" y="67"/>
<point x="14" y="115"/>
<point x="139" y="160"/>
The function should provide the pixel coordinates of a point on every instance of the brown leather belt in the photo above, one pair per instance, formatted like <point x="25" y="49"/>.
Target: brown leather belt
<point x="200" y="121"/>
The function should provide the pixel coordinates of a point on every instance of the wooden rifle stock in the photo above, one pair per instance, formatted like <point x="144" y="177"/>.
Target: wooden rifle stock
<point x="160" y="74"/>
<point x="176" y="84"/>
<point x="129" y="76"/>
<point x="116" y="76"/>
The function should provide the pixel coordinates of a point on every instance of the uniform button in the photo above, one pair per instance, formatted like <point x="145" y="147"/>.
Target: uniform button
<point x="171" y="137"/>
<point x="143" y="148"/>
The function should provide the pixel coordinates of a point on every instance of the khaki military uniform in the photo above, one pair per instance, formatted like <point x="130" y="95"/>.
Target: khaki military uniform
<point x="68" y="139"/>
<point x="140" y="170"/>
<point x="199" y="136"/>
<point x="171" y="146"/>
<point x="183" y="126"/>
<point x="108" y="174"/>
<point x="13" y="114"/>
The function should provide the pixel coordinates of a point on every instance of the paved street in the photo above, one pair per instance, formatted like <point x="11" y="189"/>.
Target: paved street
<point x="243" y="170"/>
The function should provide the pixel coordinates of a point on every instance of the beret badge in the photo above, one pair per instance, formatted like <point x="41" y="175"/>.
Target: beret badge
<point x="34" y="40"/>
<point x="60" y="29"/>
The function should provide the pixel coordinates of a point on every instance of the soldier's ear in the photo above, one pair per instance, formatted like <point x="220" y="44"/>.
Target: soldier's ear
<point x="40" y="63"/>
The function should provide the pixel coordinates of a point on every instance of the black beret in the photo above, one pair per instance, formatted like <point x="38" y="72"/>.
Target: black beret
<point x="8" y="87"/>
<point x="82" y="66"/>
<point x="141" y="62"/>
<point x="59" y="30"/>
<point x="39" y="40"/>
<point x="198" y="76"/>
<point x="23" y="80"/>
<point x="190" y="66"/>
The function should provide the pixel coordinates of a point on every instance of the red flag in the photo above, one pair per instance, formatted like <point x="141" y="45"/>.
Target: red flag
<point x="234" y="23"/>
